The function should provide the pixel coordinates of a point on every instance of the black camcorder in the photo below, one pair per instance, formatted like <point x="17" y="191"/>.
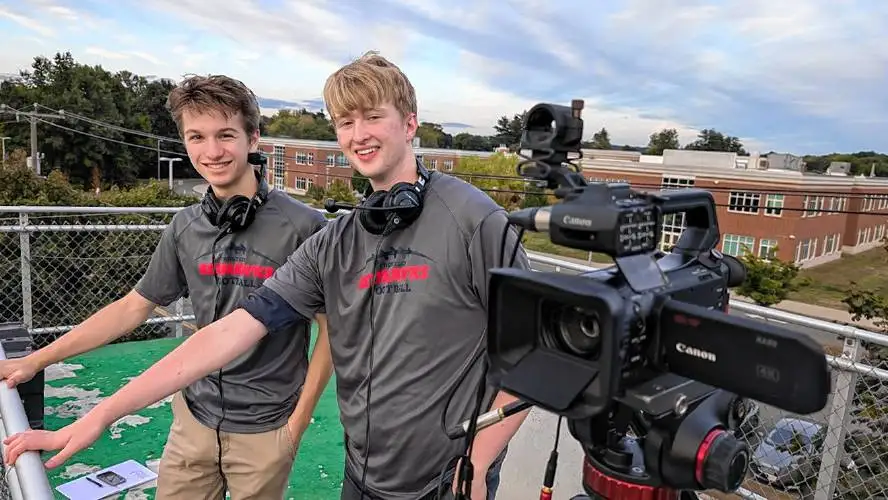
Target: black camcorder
<point x="641" y="358"/>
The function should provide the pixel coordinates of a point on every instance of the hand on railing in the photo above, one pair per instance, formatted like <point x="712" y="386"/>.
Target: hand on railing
<point x="70" y="439"/>
<point x="17" y="371"/>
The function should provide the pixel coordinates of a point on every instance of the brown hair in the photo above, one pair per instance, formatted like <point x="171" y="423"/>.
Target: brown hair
<point x="368" y="82"/>
<point x="218" y="93"/>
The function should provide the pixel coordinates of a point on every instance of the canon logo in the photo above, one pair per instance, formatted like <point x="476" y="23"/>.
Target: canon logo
<point x="693" y="351"/>
<point x="576" y="221"/>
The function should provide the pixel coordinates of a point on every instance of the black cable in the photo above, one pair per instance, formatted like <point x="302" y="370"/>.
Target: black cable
<point x="216" y="311"/>
<point x="466" y="471"/>
<point x="388" y="229"/>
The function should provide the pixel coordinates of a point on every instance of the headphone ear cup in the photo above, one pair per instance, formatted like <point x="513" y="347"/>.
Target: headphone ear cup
<point x="406" y="204"/>
<point x="233" y="212"/>
<point x="209" y="205"/>
<point x="374" y="221"/>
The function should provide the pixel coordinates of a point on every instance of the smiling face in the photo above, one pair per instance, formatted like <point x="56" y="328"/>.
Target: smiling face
<point x="377" y="143"/>
<point x="218" y="118"/>
<point x="218" y="147"/>
<point x="373" y="108"/>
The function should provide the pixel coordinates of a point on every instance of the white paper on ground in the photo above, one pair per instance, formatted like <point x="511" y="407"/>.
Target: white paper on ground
<point x="82" y="488"/>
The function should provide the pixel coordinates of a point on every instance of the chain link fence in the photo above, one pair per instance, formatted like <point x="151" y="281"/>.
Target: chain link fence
<point x="62" y="265"/>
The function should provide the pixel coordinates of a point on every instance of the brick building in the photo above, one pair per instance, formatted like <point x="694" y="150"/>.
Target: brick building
<point x="297" y="164"/>
<point x="764" y="207"/>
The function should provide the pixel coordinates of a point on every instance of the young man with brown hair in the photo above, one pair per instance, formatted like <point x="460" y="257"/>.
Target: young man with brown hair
<point x="239" y="427"/>
<point x="405" y="295"/>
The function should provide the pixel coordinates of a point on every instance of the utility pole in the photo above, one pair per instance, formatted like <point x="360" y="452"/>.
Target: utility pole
<point x="33" y="116"/>
<point x="3" y="140"/>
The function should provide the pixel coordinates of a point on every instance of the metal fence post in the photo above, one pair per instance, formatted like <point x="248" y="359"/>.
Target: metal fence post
<point x="25" y="246"/>
<point x="833" y="443"/>
<point x="180" y="311"/>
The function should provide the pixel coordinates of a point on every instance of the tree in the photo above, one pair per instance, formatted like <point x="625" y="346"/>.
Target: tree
<point x="508" y="192"/>
<point x="713" y="140"/>
<point x="468" y="142"/>
<point x="768" y="281"/>
<point x="89" y="144"/>
<point x="601" y="139"/>
<point x="359" y="182"/>
<point x="302" y="124"/>
<point x="340" y="191"/>
<point x="509" y="130"/>
<point x="663" y="140"/>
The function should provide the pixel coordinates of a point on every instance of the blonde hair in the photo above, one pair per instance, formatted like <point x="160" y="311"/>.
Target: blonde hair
<point x="366" y="83"/>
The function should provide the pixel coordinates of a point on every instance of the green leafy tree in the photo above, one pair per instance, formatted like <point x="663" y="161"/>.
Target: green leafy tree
<point x="359" y="182"/>
<point x="713" y="140"/>
<point x="768" y="281"/>
<point x="496" y="176"/>
<point x="316" y="193"/>
<point x="663" y="140"/>
<point x="340" y="191"/>
<point x="601" y="139"/>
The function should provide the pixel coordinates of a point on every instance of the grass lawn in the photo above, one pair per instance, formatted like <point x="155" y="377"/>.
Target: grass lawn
<point x="829" y="281"/>
<point x="539" y="242"/>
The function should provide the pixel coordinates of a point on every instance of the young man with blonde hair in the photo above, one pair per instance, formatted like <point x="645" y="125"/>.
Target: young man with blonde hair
<point x="405" y="295"/>
<point x="239" y="427"/>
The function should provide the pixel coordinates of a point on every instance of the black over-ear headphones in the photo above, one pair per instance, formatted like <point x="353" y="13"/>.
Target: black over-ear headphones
<point x="397" y="208"/>
<point x="237" y="212"/>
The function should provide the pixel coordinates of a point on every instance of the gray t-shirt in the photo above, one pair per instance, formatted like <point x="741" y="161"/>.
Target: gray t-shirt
<point x="430" y="317"/>
<point x="261" y="386"/>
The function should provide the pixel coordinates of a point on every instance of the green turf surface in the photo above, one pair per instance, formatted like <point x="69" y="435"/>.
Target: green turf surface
<point x="75" y="386"/>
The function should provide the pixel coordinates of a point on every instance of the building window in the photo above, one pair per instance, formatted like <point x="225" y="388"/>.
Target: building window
<point x="448" y="165"/>
<point x="303" y="183"/>
<point x="806" y="250"/>
<point x="746" y="203"/>
<point x="433" y="164"/>
<point x="767" y="249"/>
<point x="305" y="158"/>
<point x="813" y="205"/>
<point x="279" y="167"/>
<point x="737" y="245"/>
<point x="342" y="161"/>
<point x="831" y="244"/>
<point x="673" y="224"/>
<point x="774" y="205"/>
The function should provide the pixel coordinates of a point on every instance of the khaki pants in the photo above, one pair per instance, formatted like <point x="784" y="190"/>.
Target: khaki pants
<point x="256" y="466"/>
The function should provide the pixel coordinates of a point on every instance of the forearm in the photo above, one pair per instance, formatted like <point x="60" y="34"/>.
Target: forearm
<point x="106" y="325"/>
<point x="320" y="369"/>
<point x="208" y="350"/>
<point x="490" y="442"/>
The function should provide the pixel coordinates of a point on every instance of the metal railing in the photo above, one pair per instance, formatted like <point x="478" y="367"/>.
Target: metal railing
<point x="64" y="263"/>
<point x="26" y="480"/>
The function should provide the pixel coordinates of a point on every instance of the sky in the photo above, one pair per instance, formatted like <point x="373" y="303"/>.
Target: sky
<point x="793" y="76"/>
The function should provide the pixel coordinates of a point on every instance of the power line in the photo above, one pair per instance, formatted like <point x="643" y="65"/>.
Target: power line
<point x="33" y="116"/>
<point x="317" y="164"/>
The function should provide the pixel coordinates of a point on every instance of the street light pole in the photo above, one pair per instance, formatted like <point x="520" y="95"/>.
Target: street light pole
<point x="171" y="161"/>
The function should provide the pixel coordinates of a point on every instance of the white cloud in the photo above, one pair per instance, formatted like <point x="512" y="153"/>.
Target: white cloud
<point x="782" y="75"/>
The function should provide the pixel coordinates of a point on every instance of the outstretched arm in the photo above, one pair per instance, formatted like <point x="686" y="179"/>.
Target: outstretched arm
<point x="209" y="349"/>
